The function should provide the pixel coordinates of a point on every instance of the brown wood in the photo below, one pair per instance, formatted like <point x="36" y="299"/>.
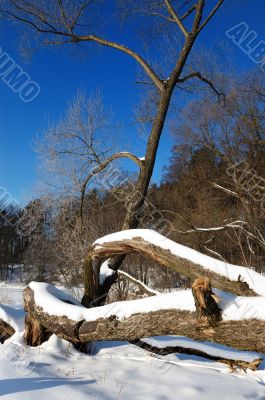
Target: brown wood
<point x="35" y="334"/>
<point x="206" y="302"/>
<point x="6" y="331"/>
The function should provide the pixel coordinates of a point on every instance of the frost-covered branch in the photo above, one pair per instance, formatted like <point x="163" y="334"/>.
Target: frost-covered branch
<point x="141" y="285"/>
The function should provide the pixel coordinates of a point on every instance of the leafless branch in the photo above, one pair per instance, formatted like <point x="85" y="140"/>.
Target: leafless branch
<point x="218" y="5"/>
<point x="101" y="167"/>
<point x="205" y="80"/>
<point x="174" y="16"/>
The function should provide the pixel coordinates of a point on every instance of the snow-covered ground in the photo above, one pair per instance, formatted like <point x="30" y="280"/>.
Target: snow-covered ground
<point x="117" y="370"/>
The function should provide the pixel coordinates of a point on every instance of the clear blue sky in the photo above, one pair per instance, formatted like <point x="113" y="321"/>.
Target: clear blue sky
<point x="59" y="74"/>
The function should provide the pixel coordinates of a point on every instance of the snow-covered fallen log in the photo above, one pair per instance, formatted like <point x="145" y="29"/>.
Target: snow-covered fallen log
<point x="171" y="313"/>
<point x="233" y="278"/>
<point x="201" y="314"/>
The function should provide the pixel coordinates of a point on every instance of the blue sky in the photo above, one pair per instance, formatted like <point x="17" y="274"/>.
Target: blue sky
<point x="60" y="74"/>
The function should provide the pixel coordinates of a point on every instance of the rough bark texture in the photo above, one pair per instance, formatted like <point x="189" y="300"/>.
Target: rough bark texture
<point x="206" y="302"/>
<point x="6" y="331"/>
<point x="243" y="335"/>
<point x="165" y="257"/>
<point x="39" y="324"/>
<point x="35" y="333"/>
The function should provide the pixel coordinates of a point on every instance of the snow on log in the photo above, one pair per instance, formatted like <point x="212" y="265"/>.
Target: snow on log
<point x="165" y="314"/>
<point x="233" y="278"/>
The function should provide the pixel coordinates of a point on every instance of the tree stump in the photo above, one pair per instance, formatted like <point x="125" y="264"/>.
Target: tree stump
<point x="206" y="302"/>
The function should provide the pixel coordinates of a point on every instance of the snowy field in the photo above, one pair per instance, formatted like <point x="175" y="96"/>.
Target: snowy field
<point x="116" y="370"/>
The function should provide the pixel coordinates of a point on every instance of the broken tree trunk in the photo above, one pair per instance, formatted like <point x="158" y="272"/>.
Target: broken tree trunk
<point x="206" y="302"/>
<point x="118" y="322"/>
<point x="111" y="246"/>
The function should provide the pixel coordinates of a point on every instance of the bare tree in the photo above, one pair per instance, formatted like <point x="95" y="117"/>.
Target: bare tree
<point x="62" y="23"/>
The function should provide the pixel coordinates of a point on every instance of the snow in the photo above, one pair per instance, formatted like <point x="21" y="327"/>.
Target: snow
<point x="121" y="371"/>
<point x="12" y="316"/>
<point x="105" y="271"/>
<point x="255" y="280"/>
<point x="50" y="299"/>
<point x="234" y="307"/>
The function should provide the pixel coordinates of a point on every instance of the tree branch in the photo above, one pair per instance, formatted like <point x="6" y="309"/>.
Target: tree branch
<point x="174" y="15"/>
<point x="74" y="38"/>
<point x="185" y="261"/>
<point x="220" y="2"/>
<point x="233" y="364"/>
<point x="141" y="285"/>
<point x="203" y="79"/>
<point x="102" y="166"/>
<point x="184" y="16"/>
<point x="115" y="322"/>
<point x="150" y="72"/>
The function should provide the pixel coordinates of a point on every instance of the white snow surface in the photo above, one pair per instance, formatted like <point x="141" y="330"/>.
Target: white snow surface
<point x="121" y="371"/>
<point x="105" y="271"/>
<point x="255" y="280"/>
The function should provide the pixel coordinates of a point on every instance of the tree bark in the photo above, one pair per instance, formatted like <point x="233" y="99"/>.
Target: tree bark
<point x="35" y="333"/>
<point x="6" y="331"/>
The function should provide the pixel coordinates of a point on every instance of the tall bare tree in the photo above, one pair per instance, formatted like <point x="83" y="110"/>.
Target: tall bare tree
<point x="70" y="22"/>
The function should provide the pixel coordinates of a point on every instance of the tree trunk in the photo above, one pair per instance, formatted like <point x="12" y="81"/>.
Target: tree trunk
<point x="137" y="200"/>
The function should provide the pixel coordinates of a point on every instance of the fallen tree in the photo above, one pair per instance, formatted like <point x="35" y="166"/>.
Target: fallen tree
<point x="202" y="314"/>
<point x="164" y="314"/>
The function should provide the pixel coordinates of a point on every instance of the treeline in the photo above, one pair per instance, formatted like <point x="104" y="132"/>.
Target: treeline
<point x="12" y="245"/>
